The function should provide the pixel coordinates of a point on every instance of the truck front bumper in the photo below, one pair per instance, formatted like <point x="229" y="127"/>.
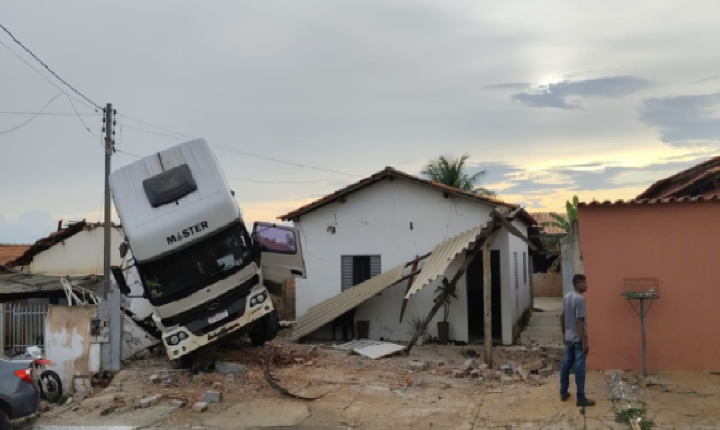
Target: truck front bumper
<point x="228" y="318"/>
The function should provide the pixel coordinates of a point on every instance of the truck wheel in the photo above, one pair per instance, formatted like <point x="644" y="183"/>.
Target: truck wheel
<point x="266" y="328"/>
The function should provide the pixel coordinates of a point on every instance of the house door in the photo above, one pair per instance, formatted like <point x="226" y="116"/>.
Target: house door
<point x="476" y="302"/>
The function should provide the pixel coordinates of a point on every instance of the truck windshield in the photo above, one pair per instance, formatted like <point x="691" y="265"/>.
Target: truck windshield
<point x="200" y="264"/>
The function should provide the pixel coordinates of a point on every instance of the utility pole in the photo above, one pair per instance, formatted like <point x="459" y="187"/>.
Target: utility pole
<point x="109" y="147"/>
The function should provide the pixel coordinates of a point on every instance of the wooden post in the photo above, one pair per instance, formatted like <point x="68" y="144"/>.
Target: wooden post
<point x="413" y="271"/>
<point x="487" y="297"/>
<point x="487" y="304"/>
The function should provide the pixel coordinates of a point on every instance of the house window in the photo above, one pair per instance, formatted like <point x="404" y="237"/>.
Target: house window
<point x="515" y="268"/>
<point x="525" y="271"/>
<point x="357" y="269"/>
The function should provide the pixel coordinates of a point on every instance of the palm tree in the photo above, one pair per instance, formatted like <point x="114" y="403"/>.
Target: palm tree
<point x="451" y="171"/>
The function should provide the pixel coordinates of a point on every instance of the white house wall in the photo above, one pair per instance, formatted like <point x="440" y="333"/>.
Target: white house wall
<point x="80" y="254"/>
<point x="376" y="220"/>
<point x="515" y="300"/>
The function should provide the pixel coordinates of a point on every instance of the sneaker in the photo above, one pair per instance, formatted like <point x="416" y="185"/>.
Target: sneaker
<point x="585" y="403"/>
<point x="565" y="396"/>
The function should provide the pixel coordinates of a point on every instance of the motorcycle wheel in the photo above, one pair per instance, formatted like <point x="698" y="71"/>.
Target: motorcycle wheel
<point x="50" y="386"/>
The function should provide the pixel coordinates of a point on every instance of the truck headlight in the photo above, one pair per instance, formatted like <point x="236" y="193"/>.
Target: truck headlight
<point x="258" y="298"/>
<point x="176" y="338"/>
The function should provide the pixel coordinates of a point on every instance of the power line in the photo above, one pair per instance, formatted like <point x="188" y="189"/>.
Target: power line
<point x="48" y="68"/>
<point x="257" y="181"/>
<point x="47" y="113"/>
<point x="236" y="150"/>
<point x="254" y="181"/>
<point x="40" y="73"/>
<point x="33" y="117"/>
<point x="158" y="127"/>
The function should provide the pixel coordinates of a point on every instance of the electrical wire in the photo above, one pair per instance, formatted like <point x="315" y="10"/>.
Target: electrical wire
<point x="48" y="68"/>
<point x="258" y="181"/>
<point x="32" y="117"/>
<point x="43" y="76"/>
<point x="48" y="113"/>
<point x="231" y="149"/>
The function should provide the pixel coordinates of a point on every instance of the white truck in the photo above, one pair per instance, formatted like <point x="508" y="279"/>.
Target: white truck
<point x="205" y="275"/>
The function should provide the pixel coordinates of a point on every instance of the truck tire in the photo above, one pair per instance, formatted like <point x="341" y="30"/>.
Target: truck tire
<point x="266" y="328"/>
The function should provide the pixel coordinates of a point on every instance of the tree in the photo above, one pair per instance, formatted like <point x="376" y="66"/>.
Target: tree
<point x="451" y="171"/>
<point x="563" y="223"/>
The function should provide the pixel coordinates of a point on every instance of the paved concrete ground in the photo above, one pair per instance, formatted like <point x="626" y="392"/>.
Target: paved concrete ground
<point x="544" y="327"/>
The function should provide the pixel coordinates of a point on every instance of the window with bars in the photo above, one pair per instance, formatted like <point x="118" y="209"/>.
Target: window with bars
<point x="515" y="268"/>
<point x="357" y="269"/>
<point x="525" y="270"/>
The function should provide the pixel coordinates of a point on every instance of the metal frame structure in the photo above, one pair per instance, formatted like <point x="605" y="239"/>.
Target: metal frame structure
<point x="641" y="289"/>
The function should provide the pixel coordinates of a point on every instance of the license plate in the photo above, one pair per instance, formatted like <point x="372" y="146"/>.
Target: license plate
<point x="217" y="317"/>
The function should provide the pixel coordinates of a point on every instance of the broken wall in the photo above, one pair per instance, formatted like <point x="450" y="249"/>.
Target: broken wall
<point x="69" y="343"/>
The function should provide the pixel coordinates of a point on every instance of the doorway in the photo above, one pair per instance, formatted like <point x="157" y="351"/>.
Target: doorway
<point x="476" y="302"/>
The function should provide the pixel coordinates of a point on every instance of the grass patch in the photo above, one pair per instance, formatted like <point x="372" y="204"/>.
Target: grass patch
<point x="632" y="414"/>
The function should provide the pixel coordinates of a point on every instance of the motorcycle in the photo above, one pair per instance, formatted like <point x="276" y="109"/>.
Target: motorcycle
<point x="48" y="380"/>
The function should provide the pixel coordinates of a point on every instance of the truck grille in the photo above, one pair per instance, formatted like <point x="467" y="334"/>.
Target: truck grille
<point x="202" y="312"/>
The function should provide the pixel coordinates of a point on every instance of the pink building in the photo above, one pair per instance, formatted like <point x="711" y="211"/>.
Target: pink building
<point x="676" y="241"/>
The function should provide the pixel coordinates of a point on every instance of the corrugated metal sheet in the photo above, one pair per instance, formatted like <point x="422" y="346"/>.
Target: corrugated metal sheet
<point x="17" y="283"/>
<point x="327" y="311"/>
<point x="442" y="255"/>
<point x="135" y="339"/>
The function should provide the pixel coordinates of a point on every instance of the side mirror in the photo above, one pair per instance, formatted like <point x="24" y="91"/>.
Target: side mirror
<point x="120" y="280"/>
<point x="123" y="249"/>
<point x="257" y="252"/>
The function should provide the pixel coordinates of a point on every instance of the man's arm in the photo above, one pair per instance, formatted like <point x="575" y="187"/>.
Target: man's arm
<point x="580" y="329"/>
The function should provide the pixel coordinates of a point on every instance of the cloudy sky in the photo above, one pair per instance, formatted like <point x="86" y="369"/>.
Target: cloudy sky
<point x="552" y="98"/>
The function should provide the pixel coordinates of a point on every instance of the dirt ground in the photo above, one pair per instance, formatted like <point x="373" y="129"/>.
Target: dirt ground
<point x="391" y="393"/>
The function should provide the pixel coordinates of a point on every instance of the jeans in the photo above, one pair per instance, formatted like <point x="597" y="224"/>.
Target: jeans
<point x="573" y="356"/>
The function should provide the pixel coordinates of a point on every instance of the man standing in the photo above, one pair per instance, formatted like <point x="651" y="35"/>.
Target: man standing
<point x="576" y="341"/>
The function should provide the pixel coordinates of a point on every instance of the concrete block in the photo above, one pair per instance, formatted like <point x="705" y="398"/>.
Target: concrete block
<point x="469" y="364"/>
<point x="418" y="365"/>
<point x="535" y="366"/>
<point x="228" y="368"/>
<point x="177" y="403"/>
<point x="200" y="407"/>
<point x="213" y="397"/>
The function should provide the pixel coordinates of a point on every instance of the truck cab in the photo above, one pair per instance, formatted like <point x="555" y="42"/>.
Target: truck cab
<point x="204" y="274"/>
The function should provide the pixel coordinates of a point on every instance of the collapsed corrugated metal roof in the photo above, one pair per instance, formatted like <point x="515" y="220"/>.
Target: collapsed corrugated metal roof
<point x="327" y="311"/>
<point x="15" y="283"/>
<point x="442" y="255"/>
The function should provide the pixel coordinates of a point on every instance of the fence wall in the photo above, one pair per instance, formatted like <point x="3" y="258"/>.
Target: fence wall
<point x="21" y="326"/>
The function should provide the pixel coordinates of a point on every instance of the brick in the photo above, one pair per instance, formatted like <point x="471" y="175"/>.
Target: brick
<point x="213" y="397"/>
<point x="200" y="407"/>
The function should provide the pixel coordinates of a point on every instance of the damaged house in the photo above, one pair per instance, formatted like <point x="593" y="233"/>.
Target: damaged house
<point x="384" y="221"/>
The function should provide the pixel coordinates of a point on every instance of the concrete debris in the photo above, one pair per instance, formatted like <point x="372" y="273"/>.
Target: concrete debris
<point x="418" y="365"/>
<point x="548" y="371"/>
<point x="475" y="373"/>
<point x="177" y="403"/>
<point x="458" y="373"/>
<point x="200" y="407"/>
<point x="44" y="406"/>
<point x="535" y="366"/>
<point x="213" y="397"/>
<point x="506" y="379"/>
<point x="107" y="411"/>
<point x="228" y="368"/>
<point x="505" y="369"/>
<point x="154" y="379"/>
<point x="150" y="401"/>
<point x="620" y="389"/>
<point x="469" y="365"/>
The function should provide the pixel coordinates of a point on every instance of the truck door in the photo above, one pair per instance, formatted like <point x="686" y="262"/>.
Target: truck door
<point x="281" y="254"/>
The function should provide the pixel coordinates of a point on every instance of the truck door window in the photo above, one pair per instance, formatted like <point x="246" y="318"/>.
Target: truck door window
<point x="276" y="239"/>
